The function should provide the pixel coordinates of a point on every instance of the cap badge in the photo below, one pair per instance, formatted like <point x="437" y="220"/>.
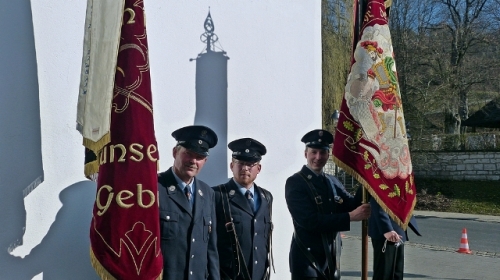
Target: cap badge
<point x="247" y="151"/>
<point x="203" y="132"/>
<point x="171" y="188"/>
<point x="320" y="133"/>
<point x="200" y="192"/>
<point x="248" y="142"/>
<point x="231" y="192"/>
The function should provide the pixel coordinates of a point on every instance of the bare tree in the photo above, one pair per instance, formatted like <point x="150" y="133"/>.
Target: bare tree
<point x="336" y="32"/>
<point x="465" y="27"/>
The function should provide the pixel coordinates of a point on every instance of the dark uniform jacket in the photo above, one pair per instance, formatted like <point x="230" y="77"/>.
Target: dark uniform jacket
<point x="253" y="231"/>
<point x="309" y="223"/>
<point x="380" y="223"/>
<point x="188" y="237"/>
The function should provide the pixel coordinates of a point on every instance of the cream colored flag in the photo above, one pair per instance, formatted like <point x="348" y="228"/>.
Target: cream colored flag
<point x="100" y="50"/>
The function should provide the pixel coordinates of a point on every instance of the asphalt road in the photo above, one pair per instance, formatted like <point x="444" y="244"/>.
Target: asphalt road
<point x="442" y="230"/>
<point x="434" y="256"/>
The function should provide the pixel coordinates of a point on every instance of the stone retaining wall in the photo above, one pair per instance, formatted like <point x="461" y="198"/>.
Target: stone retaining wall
<point x="457" y="165"/>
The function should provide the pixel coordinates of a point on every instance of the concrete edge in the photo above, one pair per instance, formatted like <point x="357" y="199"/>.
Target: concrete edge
<point x="457" y="216"/>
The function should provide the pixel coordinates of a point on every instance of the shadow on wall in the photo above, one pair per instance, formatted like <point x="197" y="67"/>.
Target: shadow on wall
<point x="64" y="251"/>
<point x="211" y="103"/>
<point x="21" y="167"/>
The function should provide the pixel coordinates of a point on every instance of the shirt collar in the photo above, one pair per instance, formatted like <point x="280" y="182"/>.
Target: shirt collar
<point x="243" y="190"/>
<point x="182" y="183"/>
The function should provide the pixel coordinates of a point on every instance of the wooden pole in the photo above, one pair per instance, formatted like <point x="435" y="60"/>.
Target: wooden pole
<point x="360" y="13"/>
<point x="364" y="241"/>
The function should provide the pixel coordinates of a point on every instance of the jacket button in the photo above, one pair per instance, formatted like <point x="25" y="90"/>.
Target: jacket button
<point x="255" y="262"/>
<point x="193" y="240"/>
<point x="168" y="217"/>
<point x="192" y="256"/>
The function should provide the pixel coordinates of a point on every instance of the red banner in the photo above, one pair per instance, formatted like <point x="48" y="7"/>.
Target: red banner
<point x="371" y="141"/>
<point x="124" y="232"/>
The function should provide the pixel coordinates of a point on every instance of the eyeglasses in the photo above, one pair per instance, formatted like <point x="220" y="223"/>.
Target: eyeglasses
<point x="242" y="164"/>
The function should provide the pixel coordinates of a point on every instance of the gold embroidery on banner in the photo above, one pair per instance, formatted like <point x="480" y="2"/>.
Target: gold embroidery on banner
<point x="151" y="150"/>
<point x="120" y="198"/>
<point x="112" y="153"/>
<point x="137" y="251"/>
<point x="132" y="15"/>
<point x="129" y="91"/>
<point x="139" y="197"/>
<point x="102" y="155"/>
<point x="136" y="152"/>
<point x="108" y="202"/>
<point x="396" y="192"/>
<point x="135" y="149"/>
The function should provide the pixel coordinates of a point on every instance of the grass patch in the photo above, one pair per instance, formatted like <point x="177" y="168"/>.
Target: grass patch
<point x="471" y="197"/>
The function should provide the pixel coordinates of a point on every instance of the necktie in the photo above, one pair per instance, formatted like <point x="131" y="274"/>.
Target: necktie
<point x="187" y="191"/>
<point x="249" y="196"/>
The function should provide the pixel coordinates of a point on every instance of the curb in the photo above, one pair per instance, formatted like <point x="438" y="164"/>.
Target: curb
<point x="458" y="216"/>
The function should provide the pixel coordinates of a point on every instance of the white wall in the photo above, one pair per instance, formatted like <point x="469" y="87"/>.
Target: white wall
<point x="274" y="96"/>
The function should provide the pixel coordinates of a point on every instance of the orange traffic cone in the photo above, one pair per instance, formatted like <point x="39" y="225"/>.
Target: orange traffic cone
<point x="464" y="244"/>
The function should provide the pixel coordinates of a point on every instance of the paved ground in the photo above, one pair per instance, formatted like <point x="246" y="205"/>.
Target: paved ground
<point x="428" y="262"/>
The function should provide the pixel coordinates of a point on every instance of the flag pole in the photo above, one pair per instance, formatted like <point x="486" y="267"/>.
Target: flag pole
<point x="360" y="13"/>
<point x="364" y="240"/>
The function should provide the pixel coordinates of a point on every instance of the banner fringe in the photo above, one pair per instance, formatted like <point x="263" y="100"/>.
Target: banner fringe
<point x="99" y="269"/>
<point x="91" y="169"/>
<point x="97" y="146"/>
<point x="359" y="178"/>
<point x="103" y="273"/>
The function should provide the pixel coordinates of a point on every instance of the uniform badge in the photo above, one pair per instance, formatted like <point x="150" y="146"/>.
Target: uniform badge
<point x="338" y="199"/>
<point x="171" y="188"/>
<point x="231" y="192"/>
<point x="200" y="192"/>
<point x="309" y="177"/>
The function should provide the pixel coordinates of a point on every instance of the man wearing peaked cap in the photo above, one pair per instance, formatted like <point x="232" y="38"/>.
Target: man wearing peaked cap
<point x="318" y="138"/>
<point x="187" y="209"/>
<point x="320" y="208"/>
<point x="243" y="209"/>
<point x="196" y="138"/>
